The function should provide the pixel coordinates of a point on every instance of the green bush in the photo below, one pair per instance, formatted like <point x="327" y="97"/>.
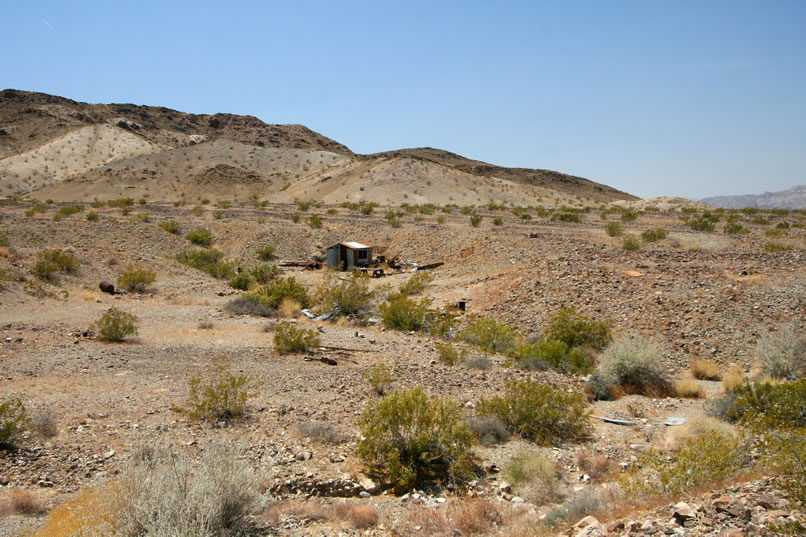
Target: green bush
<point x="539" y="413"/>
<point x="631" y="242"/>
<point x="242" y="281"/>
<point x="209" y="261"/>
<point x="220" y="394"/>
<point x="351" y="297"/>
<point x="613" y="229"/>
<point x="201" y="237"/>
<point x="379" y="377"/>
<point x="782" y="354"/>
<point x="701" y="223"/>
<point x="67" y="210"/>
<point x="490" y="335"/>
<point x="273" y="293"/>
<point x="475" y="220"/>
<point x="577" y="330"/>
<point x="412" y="440"/>
<point x="403" y="313"/>
<point x="769" y="406"/>
<point x="13" y="419"/>
<point x="450" y="355"/>
<point x="115" y="325"/>
<point x="171" y="226"/>
<point x="121" y="203"/>
<point x="4" y="242"/>
<point x="630" y="366"/>
<point x="136" y="278"/>
<point x="266" y="252"/>
<point x="732" y="228"/>
<point x="711" y="458"/>
<point x="497" y="221"/>
<point x="775" y="247"/>
<point x="249" y="305"/>
<point x="290" y="338"/>
<point x="92" y="216"/>
<point x="567" y="217"/>
<point x="557" y="354"/>
<point x="416" y="283"/>
<point x="315" y="221"/>
<point x="629" y="216"/>
<point x="654" y="235"/>
<point x="264" y="273"/>
<point x="535" y="477"/>
<point x="50" y="262"/>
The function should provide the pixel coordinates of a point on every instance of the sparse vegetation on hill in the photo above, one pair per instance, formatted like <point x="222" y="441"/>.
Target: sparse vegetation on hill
<point x="13" y="421"/>
<point x="50" y="262"/>
<point x="116" y="325"/>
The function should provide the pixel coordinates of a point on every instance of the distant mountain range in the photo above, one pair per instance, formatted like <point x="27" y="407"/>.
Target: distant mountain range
<point x="794" y="198"/>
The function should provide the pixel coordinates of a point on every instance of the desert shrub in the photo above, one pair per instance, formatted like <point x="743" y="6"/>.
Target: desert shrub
<point x="200" y="237"/>
<point x="92" y="216"/>
<point x="538" y="412"/>
<point x="629" y="366"/>
<point x="629" y="216"/>
<point x="704" y="369"/>
<point x="688" y="388"/>
<point x="411" y="438"/>
<point x="479" y="362"/>
<point x="613" y="229"/>
<point x="403" y="313"/>
<point x="67" y="210"/>
<point x="770" y="405"/>
<point x="43" y="425"/>
<point x="4" y="242"/>
<point x="488" y="430"/>
<point x="708" y="459"/>
<point x="50" y="262"/>
<point x="775" y="247"/>
<point x="23" y="502"/>
<point x="782" y="354"/>
<point x="416" y="283"/>
<point x="631" y="242"/>
<point x="266" y="252"/>
<point x="209" y="261"/>
<point x="475" y="220"/>
<point x="315" y="221"/>
<point x="249" y="305"/>
<point x="219" y="394"/>
<point x="701" y="223"/>
<point x="289" y="338"/>
<point x="171" y="226"/>
<point x="577" y="330"/>
<point x="321" y="431"/>
<point x="654" y="235"/>
<point x="544" y="353"/>
<point x="121" y="203"/>
<point x="379" y="377"/>
<point x="589" y="502"/>
<point x="273" y="293"/>
<point x="351" y="297"/>
<point x="450" y="355"/>
<point x="565" y="216"/>
<point x="264" y="273"/>
<point x="490" y="335"/>
<point x="136" y="278"/>
<point x="732" y="378"/>
<point x="242" y="281"/>
<point x="115" y="325"/>
<point x="360" y="516"/>
<point x="13" y="421"/>
<point x="497" y="221"/>
<point x="535" y="478"/>
<point x="694" y="427"/>
<point x="733" y="228"/>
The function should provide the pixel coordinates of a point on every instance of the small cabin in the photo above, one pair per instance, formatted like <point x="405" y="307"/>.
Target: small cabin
<point x="346" y="255"/>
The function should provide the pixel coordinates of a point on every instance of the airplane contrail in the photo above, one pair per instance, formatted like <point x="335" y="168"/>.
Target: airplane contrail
<point x="47" y="24"/>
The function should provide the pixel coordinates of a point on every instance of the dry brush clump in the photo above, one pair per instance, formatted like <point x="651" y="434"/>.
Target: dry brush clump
<point x="704" y="369"/>
<point x="535" y="478"/>
<point x="782" y="354"/>
<point x="630" y="366"/>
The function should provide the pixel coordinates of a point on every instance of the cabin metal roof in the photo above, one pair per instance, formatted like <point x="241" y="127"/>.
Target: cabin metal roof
<point x="355" y="245"/>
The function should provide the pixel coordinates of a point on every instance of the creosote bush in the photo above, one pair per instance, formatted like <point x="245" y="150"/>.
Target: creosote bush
<point x="274" y="292"/>
<point x="242" y="281"/>
<point x="379" y="377"/>
<point x="613" y="229"/>
<point x="577" y="330"/>
<point x="350" y="297"/>
<point x="115" y="325"/>
<point x="416" y="283"/>
<point x="136" y="278"/>
<point x="266" y="252"/>
<point x="289" y="338"/>
<point x="209" y="261"/>
<point x="782" y="354"/>
<point x="449" y="354"/>
<point x="220" y="394"/>
<point x="50" y="262"/>
<point x="412" y="439"/>
<point x="201" y="237"/>
<point x="631" y="242"/>
<point x="654" y="235"/>
<point x="630" y="366"/>
<point x="490" y="335"/>
<point x="710" y="458"/>
<point x="13" y="421"/>
<point x="539" y="412"/>
<point x="403" y="313"/>
<point x="171" y="226"/>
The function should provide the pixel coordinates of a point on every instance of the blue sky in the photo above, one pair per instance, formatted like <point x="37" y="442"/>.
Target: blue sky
<point x="686" y="98"/>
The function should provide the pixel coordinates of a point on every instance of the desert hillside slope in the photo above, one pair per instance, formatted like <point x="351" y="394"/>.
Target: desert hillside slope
<point x="66" y="150"/>
<point x="793" y="198"/>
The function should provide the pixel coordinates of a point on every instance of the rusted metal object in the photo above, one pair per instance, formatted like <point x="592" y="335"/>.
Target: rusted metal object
<point x="430" y="266"/>
<point x="107" y="287"/>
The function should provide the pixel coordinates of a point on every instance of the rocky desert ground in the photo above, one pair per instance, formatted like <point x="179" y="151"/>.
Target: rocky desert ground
<point x="694" y="283"/>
